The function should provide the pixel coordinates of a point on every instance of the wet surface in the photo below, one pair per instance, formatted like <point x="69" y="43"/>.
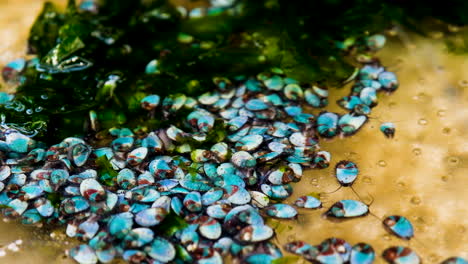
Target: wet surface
<point x="420" y="173"/>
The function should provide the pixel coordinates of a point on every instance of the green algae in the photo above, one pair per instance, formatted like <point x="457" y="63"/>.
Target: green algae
<point x="107" y="174"/>
<point x="80" y="53"/>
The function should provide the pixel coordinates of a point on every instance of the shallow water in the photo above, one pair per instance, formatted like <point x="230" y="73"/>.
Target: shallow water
<point x="420" y="174"/>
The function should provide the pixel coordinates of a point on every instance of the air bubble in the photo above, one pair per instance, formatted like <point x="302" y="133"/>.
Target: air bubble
<point x="461" y="229"/>
<point x="314" y="182"/>
<point x="417" y="151"/>
<point x="29" y="111"/>
<point x="39" y="109"/>
<point x="367" y="179"/>
<point x="421" y="96"/>
<point x="453" y="161"/>
<point x="419" y="220"/>
<point x="415" y="200"/>
<point x="463" y="83"/>
<point x="401" y="184"/>
<point x="433" y="258"/>
<point x="444" y="178"/>
<point x="446" y="130"/>
<point x="351" y="154"/>
<point x="422" y="122"/>
<point x="441" y="113"/>
<point x="382" y="163"/>
<point x="386" y="237"/>
<point x="44" y="97"/>
<point x="291" y="238"/>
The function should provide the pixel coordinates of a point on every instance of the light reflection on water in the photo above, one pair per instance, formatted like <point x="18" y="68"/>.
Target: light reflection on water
<point x="420" y="174"/>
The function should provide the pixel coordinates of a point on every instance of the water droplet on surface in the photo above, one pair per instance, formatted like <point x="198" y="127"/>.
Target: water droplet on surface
<point x="446" y="130"/>
<point x="351" y="154"/>
<point x="401" y="184"/>
<point x="444" y="178"/>
<point x="433" y="258"/>
<point x="419" y="220"/>
<point x="382" y="163"/>
<point x="463" y="83"/>
<point x="461" y="229"/>
<point x="291" y="238"/>
<point x="415" y="200"/>
<point x="422" y="122"/>
<point x="29" y="111"/>
<point x="386" y="237"/>
<point x="417" y="151"/>
<point x="38" y="109"/>
<point x="314" y="182"/>
<point x="44" y="97"/>
<point x="367" y="179"/>
<point x="392" y="104"/>
<point x="441" y="113"/>
<point x="453" y="161"/>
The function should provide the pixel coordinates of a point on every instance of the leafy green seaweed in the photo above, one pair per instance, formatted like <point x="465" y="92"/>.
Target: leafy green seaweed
<point x="171" y="224"/>
<point x="107" y="173"/>
<point x="96" y="61"/>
